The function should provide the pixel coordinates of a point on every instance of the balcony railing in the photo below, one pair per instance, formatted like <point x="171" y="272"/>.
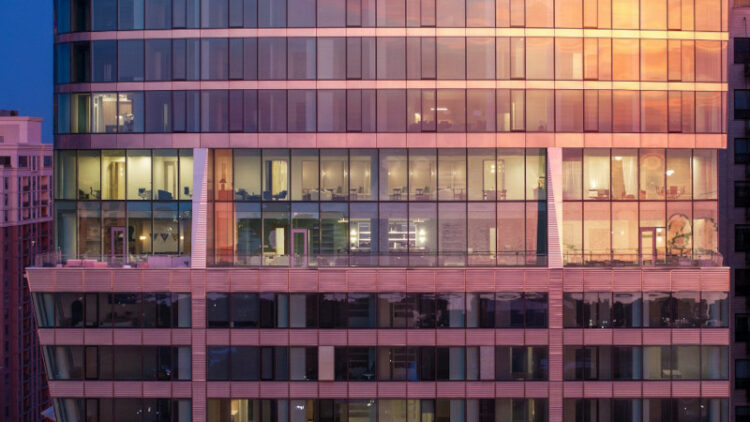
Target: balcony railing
<point x="608" y="259"/>
<point x="392" y="259"/>
<point x="58" y="260"/>
<point x="519" y="259"/>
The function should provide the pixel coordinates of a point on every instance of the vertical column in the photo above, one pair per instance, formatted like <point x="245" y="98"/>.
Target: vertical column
<point x="556" y="384"/>
<point x="198" y="344"/>
<point x="200" y="208"/>
<point x="554" y="208"/>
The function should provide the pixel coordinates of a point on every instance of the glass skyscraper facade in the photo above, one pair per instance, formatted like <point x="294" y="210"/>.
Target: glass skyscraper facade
<point x="387" y="210"/>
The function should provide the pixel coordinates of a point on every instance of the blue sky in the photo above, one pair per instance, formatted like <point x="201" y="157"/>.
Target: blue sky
<point x="26" y="59"/>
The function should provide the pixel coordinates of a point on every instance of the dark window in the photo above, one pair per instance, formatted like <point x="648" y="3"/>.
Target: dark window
<point x="250" y="59"/>
<point x="271" y="14"/>
<point x="236" y="59"/>
<point x="301" y="110"/>
<point x="158" y="14"/>
<point x="742" y="50"/>
<point x="217" y="362"/>
<point x="361" y="363"/>
<point x="741" y="104"/>
<point x="128" y="363"/>
<point x="627" y="310"/>
<point x="742" y="328"/>
<point x="687" y="309"/>
<point x="244" y="363"/>
<point x="393" y="310"/>
<point x="69" y="309"/>
<point x="273" y="310"/>
<point x="742" y="374"/>
<point x="130" y="14"/>
<point x="658" y="309"/>
<point x="5" y="161"/>
<point x="520" y="363"/>
<point x="742" y="412"/>
<point x="104" y="61"/>
<point x="79" y="62"/>
<point x="361" y="310"/>
<point x="130" y="61"/>
<point x="214" y="59"/>
<point x="23" y="161"/>
<point x="272" y="110"/>
<point x="742" y="238"/>
<point x="272" y="59"/>
<point x="741" y="193"/>
<point x="450" y="310"/>
<point x="244" y="310"/>
<point x="333" y="310"/>
<point x="156" y="310"/>
<point x="742" y="150"/>
<point x="158" y="111"/>
<point x="214" y="13"/>
<point x="126" y="310"/>
<point x="509" y="310"/>
<point x="626" y="362"/>
<point x="536" y="310"/>
<point x="158" y="60"/>
<point x="217" y="310"/>
<point x="214" y="111"/>
<point x="303" y="15"/>
<point x="104" y="15"/>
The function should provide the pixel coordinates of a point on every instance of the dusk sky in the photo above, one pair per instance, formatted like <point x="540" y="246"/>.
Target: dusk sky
<point x="26" y="59"/>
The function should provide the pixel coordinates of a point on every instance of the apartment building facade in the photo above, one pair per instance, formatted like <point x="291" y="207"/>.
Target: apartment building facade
<point x="388" y="210"/>
<point x="25" y="230"/>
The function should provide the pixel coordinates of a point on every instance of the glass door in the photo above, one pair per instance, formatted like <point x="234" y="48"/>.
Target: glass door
<point x="300" y="247"/>
<point x="117" y="245"/>
<point x="652" y="245"/>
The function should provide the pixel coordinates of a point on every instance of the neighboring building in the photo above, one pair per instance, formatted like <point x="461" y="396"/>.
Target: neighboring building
<point x="395" y="209"/>
<point x="25" y="230"/>
<point x="735" y="202"/>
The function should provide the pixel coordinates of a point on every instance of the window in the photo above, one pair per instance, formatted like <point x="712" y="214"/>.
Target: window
<point x="158" y="59"/>
<point x="742" y="328"/>
<point x="130" y="60"/>
<point x="147" y="363"/>
<point x="158" y="14"/>
<point x="742" y="238"/>
<point x="104" y="61"/>
<point x="741" y="104"/>
<point x="518" y="363"/>
<point x="742" y="150"/>
<point x="741" y="193"/>
<point x="301" y="58"/>
<point x="741" y="374"/>
<point x="741" y="50"/>
<point x="391" y="54"/>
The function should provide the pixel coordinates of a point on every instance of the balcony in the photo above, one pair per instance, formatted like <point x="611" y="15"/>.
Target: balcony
<point x="58" y="260"/>
<point x="405" y="258"/>
<point x="609" y="259"/>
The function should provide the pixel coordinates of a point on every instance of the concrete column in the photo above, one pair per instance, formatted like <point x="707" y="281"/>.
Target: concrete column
<point x="554" y="208"/>
<point x="200" y="208"/>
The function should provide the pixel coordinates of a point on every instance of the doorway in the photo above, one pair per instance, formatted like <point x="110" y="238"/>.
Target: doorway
<point x="117" y="246"/>
<point x="652" y="245"/>
<point x="300" y="248"/>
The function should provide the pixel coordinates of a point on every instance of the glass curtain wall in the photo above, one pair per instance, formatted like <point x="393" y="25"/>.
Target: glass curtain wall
<point x="640" y="206"/>
<point x="389" y="207"/>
